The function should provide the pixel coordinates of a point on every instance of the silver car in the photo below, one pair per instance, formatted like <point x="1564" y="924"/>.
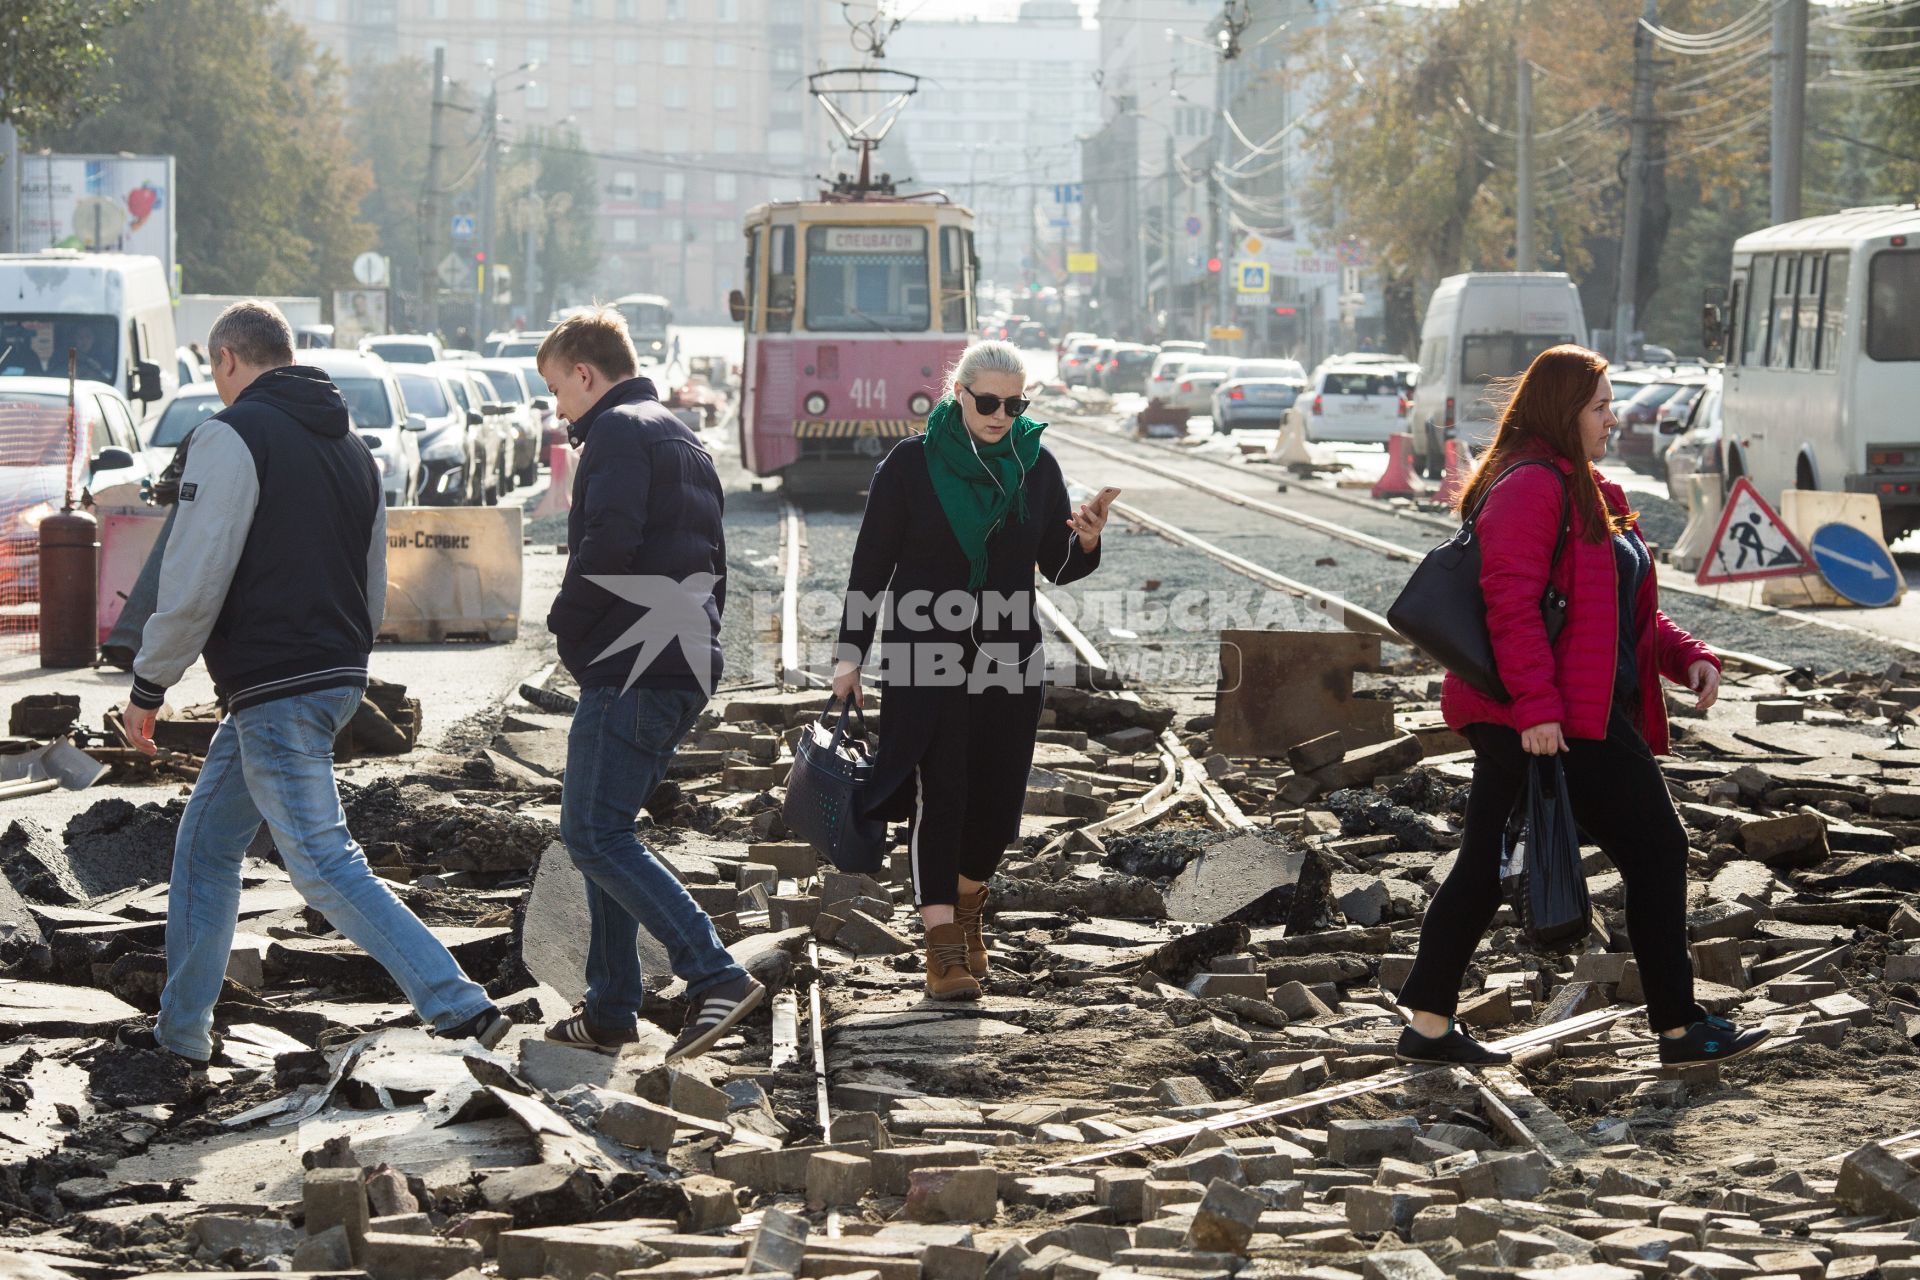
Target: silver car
<point x="1193" y="391"/>
<point x="1696" y="450"/>
<point x="510" y="388"/>
<point x="379" y="416"/>
<point x="475" y="394"/>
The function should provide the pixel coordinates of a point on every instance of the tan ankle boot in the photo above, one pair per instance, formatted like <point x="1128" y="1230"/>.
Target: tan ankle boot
<point x="947" y="976"/>
<point x="967" y="911"/>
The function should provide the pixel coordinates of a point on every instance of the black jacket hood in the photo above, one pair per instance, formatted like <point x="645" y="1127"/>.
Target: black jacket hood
<point x="303" y="393"/>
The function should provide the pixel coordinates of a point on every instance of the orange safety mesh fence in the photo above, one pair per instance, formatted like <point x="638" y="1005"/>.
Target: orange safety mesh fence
<point x="37" y="462"/>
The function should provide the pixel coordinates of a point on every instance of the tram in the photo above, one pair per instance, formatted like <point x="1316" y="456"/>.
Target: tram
<point x="855" y="305"/>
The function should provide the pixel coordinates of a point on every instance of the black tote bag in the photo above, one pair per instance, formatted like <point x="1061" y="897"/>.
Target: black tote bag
<point x="1551" y="896"/>
<point x="1444" y="612"/>
<point x="827" y="792"/>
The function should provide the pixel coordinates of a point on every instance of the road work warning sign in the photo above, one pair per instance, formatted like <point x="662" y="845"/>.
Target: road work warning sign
<point x="1752" y="542"/>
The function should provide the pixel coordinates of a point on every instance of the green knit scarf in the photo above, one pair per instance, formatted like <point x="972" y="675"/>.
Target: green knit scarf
<point x="978" y="484"/>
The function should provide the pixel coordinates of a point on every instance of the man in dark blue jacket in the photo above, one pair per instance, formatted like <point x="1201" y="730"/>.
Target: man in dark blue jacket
<point x="638" y="625"/>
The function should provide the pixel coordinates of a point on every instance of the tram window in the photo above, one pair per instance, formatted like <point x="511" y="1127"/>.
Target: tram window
<point x="1754" y="326"/>
<point x="1833" y="311"/>
<point x="1893" y="319"/>
<point x="1807" y="338"/>
<point x="861" y="279"/>
<point x="953" y="281"/>
<point x="1780" y="354"/>
<point x="780" y="282"/>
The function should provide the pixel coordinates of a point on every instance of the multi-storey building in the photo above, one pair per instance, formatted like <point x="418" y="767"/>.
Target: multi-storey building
<point x="693" y="110"/>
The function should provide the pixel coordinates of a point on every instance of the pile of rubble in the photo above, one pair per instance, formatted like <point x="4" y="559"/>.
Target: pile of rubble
<point x="1183" y="1067"/>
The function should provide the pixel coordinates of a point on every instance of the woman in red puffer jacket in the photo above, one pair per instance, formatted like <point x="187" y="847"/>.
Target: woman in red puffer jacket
<point x="1592" y="697"/>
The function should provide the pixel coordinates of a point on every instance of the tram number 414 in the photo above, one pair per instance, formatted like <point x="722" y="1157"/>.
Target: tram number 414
<point x="868" y="393"/>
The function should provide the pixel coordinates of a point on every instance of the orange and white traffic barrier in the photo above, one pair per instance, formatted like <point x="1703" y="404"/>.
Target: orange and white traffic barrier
<point x="559" y="494"/>
<point x="1397" y="481"/>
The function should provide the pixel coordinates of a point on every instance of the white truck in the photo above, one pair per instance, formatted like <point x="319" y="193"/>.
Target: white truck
<point x="111" y="309"/>
<point x="1480" y="326"/>
<point x="195" y="313"/>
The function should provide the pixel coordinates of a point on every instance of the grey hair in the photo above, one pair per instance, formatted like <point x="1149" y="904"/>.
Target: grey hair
<point x="985" y="357"/>
<point x="256" y="333"/>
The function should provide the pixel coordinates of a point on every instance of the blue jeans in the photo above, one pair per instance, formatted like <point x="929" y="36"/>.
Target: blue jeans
<point x="617" y="753"/>
<point x="273" y="762"/>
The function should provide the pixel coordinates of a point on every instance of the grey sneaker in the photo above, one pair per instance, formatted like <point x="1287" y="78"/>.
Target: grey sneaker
<point x="713" y="1013"/>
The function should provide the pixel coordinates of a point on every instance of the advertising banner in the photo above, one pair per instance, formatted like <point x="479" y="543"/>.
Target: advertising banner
<point x="118" y="204"/>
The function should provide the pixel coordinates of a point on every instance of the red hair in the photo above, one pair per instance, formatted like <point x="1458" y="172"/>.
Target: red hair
<point x="1542" y="415"/>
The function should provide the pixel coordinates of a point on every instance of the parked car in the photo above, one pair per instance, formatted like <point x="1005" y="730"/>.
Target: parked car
<point x="180" y="413"/>
<point x="1184" y="344"/>
<point x="379" y="414"/>
<point x="474" y="393"/>
<point x="1068" y="339"/>
<point x="1627" y="384"/>
<point x="510" y="387"/>
<point x="1198" y="377"/>
<point x="1639" y="421"/>
<point x="404" y="348"/>
<point x="1696" y="450"/>
<point x="1670" y="420"/>
<point x="1163" y="378"/>
<point x="1126" y="367"/>
<point x="552" y="430"/>
<point x="1268" y="368"/>
<point x="1253" y="401"/>
<point x="1076" y="368"/>
<point x="449" y="436"/>
<point x="1357" y="404"/>
<point x="1031" y="336"/>
<point x="34" y="472"/>
<point x="1010" y="325"/>
<point x="191" y="366"/>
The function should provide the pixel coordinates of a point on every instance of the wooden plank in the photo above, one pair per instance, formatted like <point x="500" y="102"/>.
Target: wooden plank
<point x="1516" y="1112"/>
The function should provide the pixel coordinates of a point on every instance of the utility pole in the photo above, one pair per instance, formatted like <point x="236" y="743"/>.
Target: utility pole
<point x="1626" y="293"/>
<point x="483" y="278"/>
<point x="1166" y="230"/>
<point x="1789" y="106"/>
<point x="1136" y="226"/>
<point x="1523" y="259"/>
<point x="10" y="187"/>
<point x="1222" y="218"/>
<point x="436" y="214"/>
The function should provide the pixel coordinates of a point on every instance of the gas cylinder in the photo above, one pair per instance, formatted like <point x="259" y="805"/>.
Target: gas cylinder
<point x="69" y="590"/>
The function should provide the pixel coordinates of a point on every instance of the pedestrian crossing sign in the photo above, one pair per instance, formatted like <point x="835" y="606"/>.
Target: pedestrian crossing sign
<point x="1752" y="542"/>
<point x="1252" y="277"/>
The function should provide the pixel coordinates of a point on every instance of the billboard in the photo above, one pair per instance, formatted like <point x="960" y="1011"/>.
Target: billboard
<point x="121" y="204"/>
<point x="357" y="314"/>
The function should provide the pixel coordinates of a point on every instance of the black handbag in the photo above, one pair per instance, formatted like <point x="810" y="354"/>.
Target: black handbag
<point x="827" y="792"/>
<point x="1551" y="896"/>
<point x="1444" y="612"/>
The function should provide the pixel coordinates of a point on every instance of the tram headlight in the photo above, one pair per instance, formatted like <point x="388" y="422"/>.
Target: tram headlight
<point x="817" y="403"/>
<point x="920" y="405"/>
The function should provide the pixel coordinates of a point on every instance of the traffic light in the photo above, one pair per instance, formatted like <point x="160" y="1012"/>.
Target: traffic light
<point x="480" y="257"/>
<point x="1213" y="265"/>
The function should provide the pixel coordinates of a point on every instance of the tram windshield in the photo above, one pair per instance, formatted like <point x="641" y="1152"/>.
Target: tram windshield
<point x="861" y="279"/>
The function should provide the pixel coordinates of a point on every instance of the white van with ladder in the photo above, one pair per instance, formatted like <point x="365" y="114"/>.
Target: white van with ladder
<point x="1480" y="326"/>
<point x="113" y="310"/>
<point x="1822" y="336"/>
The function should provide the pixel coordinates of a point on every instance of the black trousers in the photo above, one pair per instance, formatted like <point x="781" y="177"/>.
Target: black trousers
<point x="970" y="788"/>
<point x="1620" y="801"/>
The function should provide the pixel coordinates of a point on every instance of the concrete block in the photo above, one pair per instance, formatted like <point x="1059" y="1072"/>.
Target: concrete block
<point x="1201" y="1166"/>
<point x="1366" y="1142"/>
<point x="837" y="1179"/>
<point x="337" y="1198"/>
<point x="891" y="1167"/>
<point x="712" y="1203"/>
<point x="484" y="1229"/>
<point x="1159" y="1196"/>
<point x="330" y="1250"/>
<point x="861" y="934"/>
<point x="639" y="1123"/>
<point x="1647" y="1244"/>
<point x="1226" y="1219"/>
<point x="1297" y="1002"/>
<point x="395" y="1256"/>
<point x="1124" y="1191"/>
<point x="956" y="1193"/>
<point x="1188" y="1091"/>
<point x="1389" y="1210"/>
<point x="1400" y="1264"/>
<point x="1248" y="986"/>
<point x="1875" y="1181"/>
<point x="780" y="1243"/>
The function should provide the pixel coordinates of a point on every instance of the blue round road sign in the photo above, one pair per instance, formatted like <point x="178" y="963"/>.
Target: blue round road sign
<point x="1193" y="226"/>
<point x="1855" y="564"/>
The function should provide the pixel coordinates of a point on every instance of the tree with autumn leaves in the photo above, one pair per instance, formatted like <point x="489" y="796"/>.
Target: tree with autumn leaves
<point x="1414" y="137"/>
<point x="270" y="186"/>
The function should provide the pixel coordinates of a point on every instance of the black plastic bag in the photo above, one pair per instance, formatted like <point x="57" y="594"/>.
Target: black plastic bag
<point x="827" y="793"/>
<point x="1543" y="851"/>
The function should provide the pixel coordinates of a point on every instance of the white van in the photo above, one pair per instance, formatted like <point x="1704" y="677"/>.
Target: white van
<point x="1823" y="359"/>
<point x="112" y="309"/>
<point x="1481" y="326"/>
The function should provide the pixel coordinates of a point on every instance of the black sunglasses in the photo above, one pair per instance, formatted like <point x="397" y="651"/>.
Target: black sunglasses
<point x="990" y="404"/>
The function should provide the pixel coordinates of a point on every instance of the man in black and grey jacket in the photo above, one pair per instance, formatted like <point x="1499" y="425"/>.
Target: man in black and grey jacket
<point x="638" y="625"/>
<point x="275" y="573"/>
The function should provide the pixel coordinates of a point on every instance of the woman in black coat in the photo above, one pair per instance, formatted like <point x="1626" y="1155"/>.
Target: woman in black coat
<point x="956" y="521"/>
